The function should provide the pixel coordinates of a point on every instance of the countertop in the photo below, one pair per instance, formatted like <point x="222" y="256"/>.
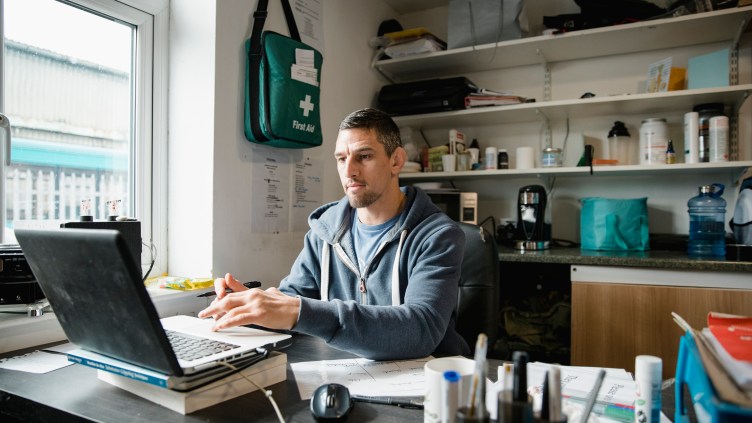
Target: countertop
<point x="663" y="259"/>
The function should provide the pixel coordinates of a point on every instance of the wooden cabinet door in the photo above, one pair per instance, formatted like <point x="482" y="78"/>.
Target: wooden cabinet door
<point x="613" y="323"/>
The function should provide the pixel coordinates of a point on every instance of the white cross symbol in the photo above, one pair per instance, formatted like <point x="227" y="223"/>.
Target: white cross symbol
<point x="306" y="105"/>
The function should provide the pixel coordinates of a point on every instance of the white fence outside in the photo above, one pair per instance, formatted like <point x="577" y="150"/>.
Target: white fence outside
<point x="43" y="194"/>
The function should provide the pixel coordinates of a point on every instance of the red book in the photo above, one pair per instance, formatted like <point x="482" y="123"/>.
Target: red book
<point x="734" y="333"/>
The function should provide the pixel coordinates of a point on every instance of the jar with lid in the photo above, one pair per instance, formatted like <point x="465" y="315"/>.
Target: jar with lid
<point x="490" y="158"/>
<point x="707" y="214"/>
<point x="705" y="113"/>
<point x="718" y="131"/>
<point x="551" y="157"/>
<point x="653" y="141"/>
<point x="618" y="144"/>
<point x="503" y="161"/>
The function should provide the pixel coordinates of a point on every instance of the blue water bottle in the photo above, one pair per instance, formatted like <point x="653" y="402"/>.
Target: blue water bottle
<point x="707" y="213"/>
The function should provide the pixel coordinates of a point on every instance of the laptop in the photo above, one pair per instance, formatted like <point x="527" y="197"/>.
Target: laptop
<point x="94" y="286"/>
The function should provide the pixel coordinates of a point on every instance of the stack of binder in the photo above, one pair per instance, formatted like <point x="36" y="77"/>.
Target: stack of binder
<point x="718" y="379"/>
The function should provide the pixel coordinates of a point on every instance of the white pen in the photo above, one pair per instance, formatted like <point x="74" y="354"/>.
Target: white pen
<point x="554" y="394"/>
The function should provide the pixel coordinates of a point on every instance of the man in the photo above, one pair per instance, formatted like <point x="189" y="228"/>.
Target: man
<point x="379" y="271"/>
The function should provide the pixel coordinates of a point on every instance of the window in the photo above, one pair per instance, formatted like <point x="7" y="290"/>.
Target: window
<point x="79" y="84"/>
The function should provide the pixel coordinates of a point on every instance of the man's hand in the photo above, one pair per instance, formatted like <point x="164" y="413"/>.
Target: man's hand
<point x="269" y="308"/>
<point x="229" y="281"/>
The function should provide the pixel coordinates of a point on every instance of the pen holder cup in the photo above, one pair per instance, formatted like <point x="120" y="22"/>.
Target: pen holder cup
<point x="514" y="411"/>
<point x="433" y="404"/>
<point x="463" y="416"/>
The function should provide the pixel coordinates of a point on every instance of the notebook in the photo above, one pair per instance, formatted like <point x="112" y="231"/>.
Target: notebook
<point x="94" y="286"/>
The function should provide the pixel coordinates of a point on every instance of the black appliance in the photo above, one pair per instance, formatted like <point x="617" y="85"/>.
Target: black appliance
<point x="428" y="96"/>
<point x="533" y="231"/>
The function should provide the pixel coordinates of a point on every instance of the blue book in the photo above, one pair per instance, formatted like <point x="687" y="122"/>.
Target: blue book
<point x="178" y="383"/>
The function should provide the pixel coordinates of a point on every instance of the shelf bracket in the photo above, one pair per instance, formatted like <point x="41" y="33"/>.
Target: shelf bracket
<point x="375" y="59"/>
<point x="734" y="54"/>
<point x="546" y="75"/>
<point x="734" y="127"/>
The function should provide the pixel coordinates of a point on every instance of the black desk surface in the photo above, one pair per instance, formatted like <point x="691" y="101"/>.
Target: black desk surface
<point x="74" y="393"/>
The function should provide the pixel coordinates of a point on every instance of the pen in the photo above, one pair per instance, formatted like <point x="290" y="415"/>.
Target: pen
<point x="519" y="381"/>
<point x="593" y="395"/>
<point x="477" y="400"/>
<point x="404" y="402"/>
<point x="251" y="284"/>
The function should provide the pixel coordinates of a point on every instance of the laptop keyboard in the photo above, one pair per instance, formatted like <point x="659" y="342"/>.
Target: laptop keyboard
<point x="189" y="347"/>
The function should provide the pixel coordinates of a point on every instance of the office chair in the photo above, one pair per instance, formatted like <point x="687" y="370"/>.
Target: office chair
<point x="478" y="300"/>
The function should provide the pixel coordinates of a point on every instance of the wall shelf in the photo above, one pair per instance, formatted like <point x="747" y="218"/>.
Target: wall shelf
<point x="717" y="26"/>
<point x="651" y="103"/>
<point x="733" y="168"/>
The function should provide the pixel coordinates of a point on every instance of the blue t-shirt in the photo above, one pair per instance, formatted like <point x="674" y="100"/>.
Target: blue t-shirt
<point x="367" y="238"/>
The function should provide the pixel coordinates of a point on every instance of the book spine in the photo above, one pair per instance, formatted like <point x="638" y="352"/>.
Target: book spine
<point x="141" y="377"/>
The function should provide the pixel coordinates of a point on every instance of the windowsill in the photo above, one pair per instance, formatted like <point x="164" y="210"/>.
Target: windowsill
<point x="18" y="331"/>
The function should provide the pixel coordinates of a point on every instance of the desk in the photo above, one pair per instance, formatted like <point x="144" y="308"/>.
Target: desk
<point x="75" y="394"/>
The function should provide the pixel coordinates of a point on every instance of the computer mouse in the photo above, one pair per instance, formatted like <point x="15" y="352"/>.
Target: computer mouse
<point x="331" y="402"/>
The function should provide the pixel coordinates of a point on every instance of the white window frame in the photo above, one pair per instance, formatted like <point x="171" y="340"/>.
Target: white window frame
<point x="151" y="17"/>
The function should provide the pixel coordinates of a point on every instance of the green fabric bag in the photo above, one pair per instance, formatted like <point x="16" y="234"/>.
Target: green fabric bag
<point x="614" y="224"/>
<point x="282" y="91"/>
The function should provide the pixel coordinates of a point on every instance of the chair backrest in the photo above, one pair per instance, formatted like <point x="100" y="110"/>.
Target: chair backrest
<point x="478" y="300"/>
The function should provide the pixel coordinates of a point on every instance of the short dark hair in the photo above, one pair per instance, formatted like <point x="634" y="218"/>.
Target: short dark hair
<point x="387" y="132"/>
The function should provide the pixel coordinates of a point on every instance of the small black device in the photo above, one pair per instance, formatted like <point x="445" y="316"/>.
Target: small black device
<point x="17" y="282"/>
<point x="331" y="402"/>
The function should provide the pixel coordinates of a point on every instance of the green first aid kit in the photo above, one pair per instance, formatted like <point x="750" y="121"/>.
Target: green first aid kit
<point x="282" y="86"/>
<point x="614" y="224"/>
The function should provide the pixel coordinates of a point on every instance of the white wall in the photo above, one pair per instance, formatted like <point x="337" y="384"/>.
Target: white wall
<point x="211" y="162"/>
<point x="667" y="196"/>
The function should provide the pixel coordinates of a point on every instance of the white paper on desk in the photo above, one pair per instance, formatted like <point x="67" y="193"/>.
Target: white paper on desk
<point x="36" y="362"/>
<point x="362" y="376"/>
<point x="618" y="386"/>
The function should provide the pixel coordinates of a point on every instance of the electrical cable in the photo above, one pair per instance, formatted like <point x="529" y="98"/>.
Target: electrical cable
<point x="153" y="251"/>
<point x="267" y="392"/>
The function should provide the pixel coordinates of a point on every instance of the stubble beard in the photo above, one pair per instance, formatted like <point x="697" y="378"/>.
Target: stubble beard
<point x="363" y="200"/>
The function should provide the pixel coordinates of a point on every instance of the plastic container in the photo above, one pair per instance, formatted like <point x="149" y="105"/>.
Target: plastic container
<point x="705" y="112"/>
<point x="503" y="159"/>
<point x="707" y="214"/>
<point x="653" y="141"/>
<point x="618" y="144"/>
<point x="490" y="158"/>
<point x="691" y="137"/>
<point x="719" y="139"/>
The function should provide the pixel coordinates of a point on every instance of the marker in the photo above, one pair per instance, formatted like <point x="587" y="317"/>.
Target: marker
<point x="249" y="285"/>
<point x="404" y="402"/>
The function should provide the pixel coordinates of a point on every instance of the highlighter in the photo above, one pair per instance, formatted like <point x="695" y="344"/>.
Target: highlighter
<point x="520" y="408"/>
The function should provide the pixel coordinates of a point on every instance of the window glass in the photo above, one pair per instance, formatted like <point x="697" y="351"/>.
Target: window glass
<point x="69" y="98"/>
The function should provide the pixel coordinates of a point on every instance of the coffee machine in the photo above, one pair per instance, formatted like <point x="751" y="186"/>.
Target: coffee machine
<point x="533" y="228"/>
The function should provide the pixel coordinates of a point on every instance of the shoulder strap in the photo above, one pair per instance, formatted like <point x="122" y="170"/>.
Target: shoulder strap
<point x="259" y="17"/>
<point x="254" y="57"/>
<point x="291" y="26"/>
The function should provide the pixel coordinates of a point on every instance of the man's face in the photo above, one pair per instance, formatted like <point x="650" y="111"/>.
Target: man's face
<point x="364" y="168"/>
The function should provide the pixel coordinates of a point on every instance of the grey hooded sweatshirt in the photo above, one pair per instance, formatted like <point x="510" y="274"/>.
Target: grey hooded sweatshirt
<point x="363" y="313"/>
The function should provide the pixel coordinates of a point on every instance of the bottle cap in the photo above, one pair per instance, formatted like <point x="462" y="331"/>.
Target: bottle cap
<point x="618" y="130"/>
